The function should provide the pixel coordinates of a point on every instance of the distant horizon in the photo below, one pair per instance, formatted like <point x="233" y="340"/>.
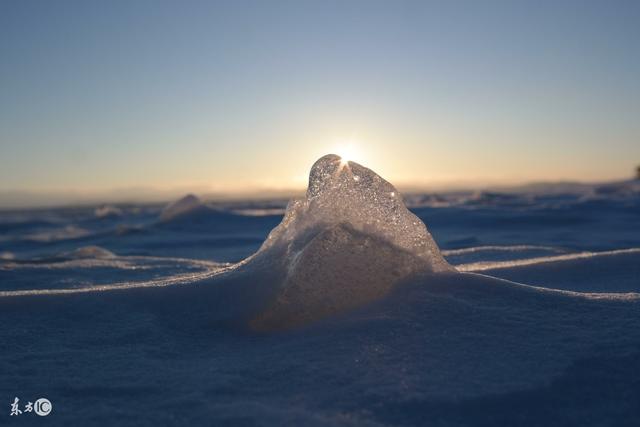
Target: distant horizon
<point x="16" y="199"/>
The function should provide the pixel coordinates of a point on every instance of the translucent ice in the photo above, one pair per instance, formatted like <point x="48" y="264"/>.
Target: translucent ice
<point x="346" y="243"/>
<point x="350" y="194"/>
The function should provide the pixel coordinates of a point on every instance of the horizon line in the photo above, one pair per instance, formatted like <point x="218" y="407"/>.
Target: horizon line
<point x="60" y="198"/>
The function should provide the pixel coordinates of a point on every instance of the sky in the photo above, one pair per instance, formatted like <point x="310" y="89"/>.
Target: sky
<point x="243" y="96"/>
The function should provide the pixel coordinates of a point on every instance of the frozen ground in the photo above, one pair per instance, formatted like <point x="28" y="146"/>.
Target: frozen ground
<point x="348" y="314"/>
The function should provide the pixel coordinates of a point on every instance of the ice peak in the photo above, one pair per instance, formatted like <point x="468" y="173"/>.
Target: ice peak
<point x="349" y="241"/>
<point x="348" y="193"/>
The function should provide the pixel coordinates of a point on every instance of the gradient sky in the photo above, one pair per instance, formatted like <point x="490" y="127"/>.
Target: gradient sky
<point x="228" y="96"/>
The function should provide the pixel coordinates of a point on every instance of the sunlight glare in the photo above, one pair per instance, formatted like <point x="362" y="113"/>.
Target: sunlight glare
<point x="348" y="152"/>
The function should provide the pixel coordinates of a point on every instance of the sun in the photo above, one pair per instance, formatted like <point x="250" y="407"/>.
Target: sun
<point x="348" y="152"/>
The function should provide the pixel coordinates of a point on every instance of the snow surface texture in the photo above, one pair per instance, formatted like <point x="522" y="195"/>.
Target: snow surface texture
<point x="373" y="325"/>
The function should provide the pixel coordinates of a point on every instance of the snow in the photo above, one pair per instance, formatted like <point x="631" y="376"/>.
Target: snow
<point x="347" y="314"/>
<point x="66" y="233"/>
<point x="183" y="206"/>
<point x="90" y="252"/>
<point x="108" y="211"/>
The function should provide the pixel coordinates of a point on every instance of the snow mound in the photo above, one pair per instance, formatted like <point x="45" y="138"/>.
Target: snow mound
<point x="617" y="190"/>
<point x="346" y="243"/>
<point x="95" y="252"/>
<point x="108" y="211"/>
<point x="188" y="204"/>
<point x="191" y="214"/>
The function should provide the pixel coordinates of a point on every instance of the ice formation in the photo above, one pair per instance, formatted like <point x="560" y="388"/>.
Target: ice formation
<point x="180" y="207"/>
<point x="344" y="244"/>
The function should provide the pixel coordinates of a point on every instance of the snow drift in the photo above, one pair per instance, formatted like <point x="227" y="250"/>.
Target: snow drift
<point x="188" y="205"/>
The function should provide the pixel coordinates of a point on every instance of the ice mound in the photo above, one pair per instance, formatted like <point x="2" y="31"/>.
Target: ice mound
<point x="188" y="204"/>
<point x="348" y="193"/>
<point x="344" y="244"/>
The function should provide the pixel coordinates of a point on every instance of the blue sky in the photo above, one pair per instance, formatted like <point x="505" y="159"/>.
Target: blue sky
<point x="240" y="95"/>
